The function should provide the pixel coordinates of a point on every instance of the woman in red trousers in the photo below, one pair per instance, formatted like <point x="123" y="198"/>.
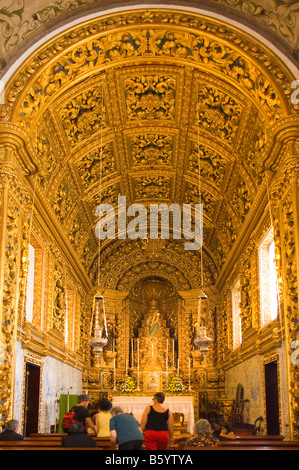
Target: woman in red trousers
<point x="157" y="424"/>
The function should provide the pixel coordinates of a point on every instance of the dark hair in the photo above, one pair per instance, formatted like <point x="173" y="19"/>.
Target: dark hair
<point x="160" y="397"/>
<point x="83" y="397"/>
<point x="105" y="405"/>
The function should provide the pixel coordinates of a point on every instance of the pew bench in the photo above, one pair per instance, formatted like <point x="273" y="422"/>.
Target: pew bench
<point x="45" y="443"/>
<point x="249" y="443"/>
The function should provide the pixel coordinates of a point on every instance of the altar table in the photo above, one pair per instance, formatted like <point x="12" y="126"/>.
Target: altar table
<point x="177" y="404"/>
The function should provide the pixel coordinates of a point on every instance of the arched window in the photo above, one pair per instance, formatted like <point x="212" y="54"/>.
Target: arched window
<point x="34" y="284"/>
<point x="30" y="284"/>
<point x="236" y="311"/>
<point x="268" y="280"/>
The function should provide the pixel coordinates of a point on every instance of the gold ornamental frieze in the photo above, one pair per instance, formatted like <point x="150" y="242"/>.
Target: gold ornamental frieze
<point x="169" y="36"/>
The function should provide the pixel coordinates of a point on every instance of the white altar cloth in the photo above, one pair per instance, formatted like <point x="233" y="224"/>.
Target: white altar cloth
<point x="177" y="404"/>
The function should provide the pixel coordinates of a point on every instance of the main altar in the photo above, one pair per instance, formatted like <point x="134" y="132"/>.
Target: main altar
<point x="181" y="407"/>
<point x="151" y="349"/>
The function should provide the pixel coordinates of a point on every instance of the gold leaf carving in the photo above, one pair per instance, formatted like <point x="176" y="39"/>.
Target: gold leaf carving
<point x="83" y="115"/>
<point x="150" y="97"/>
<point x="151" y="149"/>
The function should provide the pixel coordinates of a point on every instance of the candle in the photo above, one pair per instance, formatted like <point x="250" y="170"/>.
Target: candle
<point x="132" y="359"/>
<point x="173" y="352"/>
<point x="114" y="373"/>
<point x="138" y="364"/>
<point x="126" y="367"/>
<point x="167" y="356"/>
<point x="178" y="366"/>
<point x="138" y="356"/>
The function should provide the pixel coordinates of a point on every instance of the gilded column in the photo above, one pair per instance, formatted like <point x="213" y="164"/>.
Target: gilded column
<point x="14" y="209"/>
<point x="285" y="208"/>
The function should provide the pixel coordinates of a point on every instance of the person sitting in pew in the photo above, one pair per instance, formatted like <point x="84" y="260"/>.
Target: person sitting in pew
<point x="10" y="432"/>
<point x="202" y="436"/>
<point x="77" y="437"/>
<point x="222" y="431"/>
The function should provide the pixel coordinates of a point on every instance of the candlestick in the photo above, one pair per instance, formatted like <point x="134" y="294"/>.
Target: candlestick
<point x="189" y="372"/>
<point x="138" y="364"/>
<point x="172" y="352"/>
<point x="138" y="357"/>
<point x="132" y="346"/>
<point x="114" y="374"/>
<point x="178" y="367"/>
<point x="167" y="356"/>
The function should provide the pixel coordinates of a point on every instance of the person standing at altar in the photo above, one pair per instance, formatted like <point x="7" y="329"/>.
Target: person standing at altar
<point x="157" y="424"/>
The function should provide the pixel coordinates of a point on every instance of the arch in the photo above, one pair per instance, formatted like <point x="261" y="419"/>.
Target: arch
<point x="112" y="88"/>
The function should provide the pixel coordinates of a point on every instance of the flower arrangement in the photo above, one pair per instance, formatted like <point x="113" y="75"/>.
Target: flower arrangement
<point x="175" y="385"/>
<point x="128" y="386"/>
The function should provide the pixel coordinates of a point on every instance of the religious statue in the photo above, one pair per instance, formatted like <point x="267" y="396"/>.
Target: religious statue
<point x="154" y="324"/>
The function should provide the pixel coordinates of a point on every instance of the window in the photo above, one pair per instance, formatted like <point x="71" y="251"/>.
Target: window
<point x="236" y="309"/>
<point x="34" y="284"/>
<point x="268" y="280"/>
<point x="30" y="285"/>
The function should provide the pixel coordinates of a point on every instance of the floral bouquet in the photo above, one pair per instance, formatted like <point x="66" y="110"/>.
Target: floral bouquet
<point x="175" y="385"/>
<point x="128" y="386"/>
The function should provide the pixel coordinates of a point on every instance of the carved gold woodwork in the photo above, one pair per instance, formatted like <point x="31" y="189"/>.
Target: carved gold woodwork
<point x="13" y="243"/>
<point x="140" y="96"/>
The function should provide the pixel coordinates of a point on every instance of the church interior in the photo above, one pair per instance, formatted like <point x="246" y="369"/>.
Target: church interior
<point x="172" y="105"/>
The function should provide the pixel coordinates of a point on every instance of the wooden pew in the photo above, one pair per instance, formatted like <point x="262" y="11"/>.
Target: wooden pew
<point x="248" y="437"/>
<point x="244" y="447"/>
<point x="248" y="443"/>
<point x="43" y="442"/>
<point x="53" y="442"/>
<point x="47" y="448"/>
<point x="101" y="441"/>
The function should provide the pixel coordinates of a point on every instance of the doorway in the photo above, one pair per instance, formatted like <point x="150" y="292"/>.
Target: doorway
<point x="31" y="413"/>
<point x="272" y="402"/>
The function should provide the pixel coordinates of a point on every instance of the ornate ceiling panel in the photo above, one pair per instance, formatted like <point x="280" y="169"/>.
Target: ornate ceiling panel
<point x="134" y="105"/>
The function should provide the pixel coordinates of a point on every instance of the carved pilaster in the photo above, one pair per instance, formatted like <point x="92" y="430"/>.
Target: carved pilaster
<point x="14" y="204"/>
<point x="284" y="197"/>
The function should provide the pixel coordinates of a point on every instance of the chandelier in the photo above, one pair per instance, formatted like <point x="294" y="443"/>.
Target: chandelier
<point x="202" y="341"/>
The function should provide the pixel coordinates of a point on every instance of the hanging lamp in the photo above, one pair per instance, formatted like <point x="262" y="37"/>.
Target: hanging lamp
<point x="100" y="338"/>
<point x="201" y="341"/>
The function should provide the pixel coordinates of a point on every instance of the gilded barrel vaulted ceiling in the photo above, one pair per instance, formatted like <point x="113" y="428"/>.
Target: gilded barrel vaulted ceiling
<point x="142" y="98"/>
